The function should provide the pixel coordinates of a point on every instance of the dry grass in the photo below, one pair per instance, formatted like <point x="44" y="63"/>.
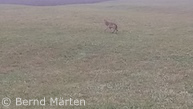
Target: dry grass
<point x="64" y="51"/>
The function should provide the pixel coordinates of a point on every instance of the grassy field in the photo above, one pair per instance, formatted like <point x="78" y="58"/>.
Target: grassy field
<point x="63" y="51"/>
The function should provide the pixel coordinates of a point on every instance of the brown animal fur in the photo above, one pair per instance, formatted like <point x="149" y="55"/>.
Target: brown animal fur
<point x="111" y="25"/>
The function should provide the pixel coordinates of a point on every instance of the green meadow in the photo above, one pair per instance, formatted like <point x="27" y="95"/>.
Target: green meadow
<point x="63" y="51"/>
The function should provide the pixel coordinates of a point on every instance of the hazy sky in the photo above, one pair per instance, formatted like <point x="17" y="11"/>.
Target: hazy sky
<point x="63" y="2"/>
<point x="47" y="2"/>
